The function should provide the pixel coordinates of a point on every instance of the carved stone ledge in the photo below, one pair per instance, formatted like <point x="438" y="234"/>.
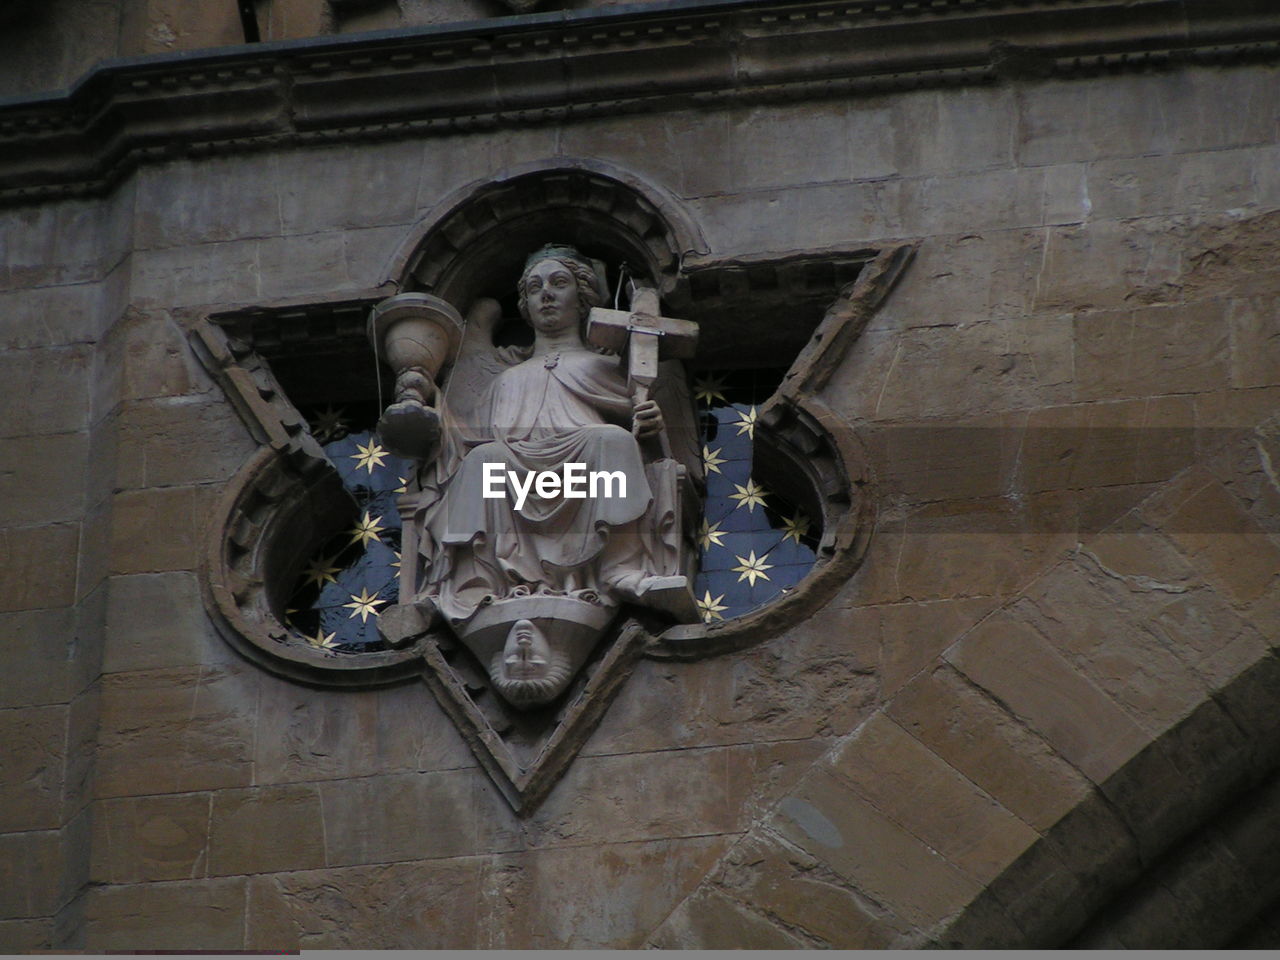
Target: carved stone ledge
<point x="557" y="66"/>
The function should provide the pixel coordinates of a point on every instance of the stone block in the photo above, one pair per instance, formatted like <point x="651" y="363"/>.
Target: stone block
<point x="30" y="867"/>
<point x="51" y="244"/>
<point x="954" y="131"/>
<point x="145" y="356"/>
<point x="186" y="202"/>
<point x="379" y="186"/>
<point x="921" y="463"/>
<point x="82" y="744"/>
<point x="38" y="566"/>
<point x="1119" y="116"/>
<point x="266" y="829"/>
<point x="1100" y="622"/>
<point x="414" y="734"/>
<point x="162" y="26"/>
<point x="401" y="817"/>
<point x="1199" y="117"/>
<point x="1020" y="669"/>
<point x="806" y="897"/>
<point x="967" y="278"/>
<point x="46" y="317"/>
<point x="159" y="530"/>
<point x="1201" y="183"/>
<point x="791" y="218"/>
<point x="176" y="916"/>
<point x="629" y="140"/>
<point x="1110" y="265"/>
<point x="889" y="768"/>
<point x="139" y="839"/>
<point x="35" y="647"/>
<point x="293" y="19"/>
<point x="226" y="274"/>
<point x="704" y="791"/>
<point x="1223" y="543"/>
<point x="391" y="906"/>
<point x="1152" y="351"/>
<point x="84" y="650"/>
<point x="1211" y="637"/>
<point x="991" y="200"/>
<point x="960" y="549"/>
<point x="302" y="266"/>
<point x="45" y="391"/>
<point x="778" y="146"/>
<point x="26" y="936"/>
<point x="556" y="898"/>
<point x="914" y="635"/>
<point x="176" y="730"/>
<point x="1255" y="341"/>
<point x="709" y="920"/>
<point x="43" y="478"/>
<point x="829" y="821"/>
<point x="157" y="620"/>
<point x="178" y="441"/>
<point x="31" y="767"/>
<point x="977" y="737"/>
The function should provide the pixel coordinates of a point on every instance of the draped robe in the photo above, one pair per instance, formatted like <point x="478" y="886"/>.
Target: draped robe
<point x="567" y="407"/>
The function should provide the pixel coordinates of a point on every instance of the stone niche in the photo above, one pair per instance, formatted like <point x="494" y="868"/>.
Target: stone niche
<point x="286" y="515"/>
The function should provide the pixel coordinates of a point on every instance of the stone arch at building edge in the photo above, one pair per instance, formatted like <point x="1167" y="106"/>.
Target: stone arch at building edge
<point x="925" y="815"/>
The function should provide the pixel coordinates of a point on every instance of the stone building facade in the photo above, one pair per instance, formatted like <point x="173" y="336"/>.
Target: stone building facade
<point x="1022" y="261"/>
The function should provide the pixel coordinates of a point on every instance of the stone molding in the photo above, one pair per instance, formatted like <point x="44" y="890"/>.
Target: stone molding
<point x="562" y="66"/>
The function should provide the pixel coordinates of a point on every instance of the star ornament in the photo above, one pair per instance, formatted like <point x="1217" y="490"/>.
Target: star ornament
<point x="709" y="389"/>
<point x="796" y="527"/>
<point x="330" y="424"/>
<point x="711" y="460"/>
<point x="369" y="456"/>
<point x="710" y="609"/>
<point x="710" y="535"/>
<point x="322" y="640"/>
<point x="746" y="422"/>
<point x="366" y="529"/>
<point x="752" y="568"/>
<point x="321" y="571"/>
<point x="750" y="496"/>
<point x="364" y="605"/>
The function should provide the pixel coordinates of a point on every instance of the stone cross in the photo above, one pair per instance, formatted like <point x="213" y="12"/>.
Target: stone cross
<point x="647" y="338"/>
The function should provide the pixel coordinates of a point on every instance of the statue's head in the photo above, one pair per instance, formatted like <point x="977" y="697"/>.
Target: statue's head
<point x="528" y="670"/>
<point x="559" y="281"/>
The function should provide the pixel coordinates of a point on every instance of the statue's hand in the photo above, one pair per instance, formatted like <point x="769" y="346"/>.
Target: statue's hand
<point x="648" y="418"/>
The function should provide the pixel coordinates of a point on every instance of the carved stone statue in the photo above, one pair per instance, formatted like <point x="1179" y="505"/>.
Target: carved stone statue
<point x="547" y="495"/>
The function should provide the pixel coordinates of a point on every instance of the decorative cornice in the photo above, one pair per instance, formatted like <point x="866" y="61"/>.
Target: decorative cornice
<point x="566" y="65"/>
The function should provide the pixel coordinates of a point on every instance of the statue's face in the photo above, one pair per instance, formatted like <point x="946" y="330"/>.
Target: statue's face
<point x="551" y="297"/>
<point x="527" y="671"/>
<point x="526" y="655"/>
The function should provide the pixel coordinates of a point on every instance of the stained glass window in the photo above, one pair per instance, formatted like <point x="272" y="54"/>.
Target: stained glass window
<point x="754" y="544"/>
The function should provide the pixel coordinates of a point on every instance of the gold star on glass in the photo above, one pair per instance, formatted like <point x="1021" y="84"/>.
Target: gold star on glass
<point x="365" y="604"/>
<point x="321" y="571"/>
<point x="404" y="486"/>
<point x="330" y="424"/>
<point x="396" y="562"/>
<point x="709" y="389"/>
<point x="749" y="496"/>
<point x="796" y="527"/>
<point x="711" y="459"/>
<point x="751" y="568"/>
<point x="369" y="456"/>
<point x="709" y="535"/>
<point x="710" y="609"/>
<point x="366" y="529"/>
<point x="746" y="422"/>
<point x="322" y="640"/>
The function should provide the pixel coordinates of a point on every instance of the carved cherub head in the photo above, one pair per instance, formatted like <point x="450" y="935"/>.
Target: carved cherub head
<point x="528" y="670"/>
